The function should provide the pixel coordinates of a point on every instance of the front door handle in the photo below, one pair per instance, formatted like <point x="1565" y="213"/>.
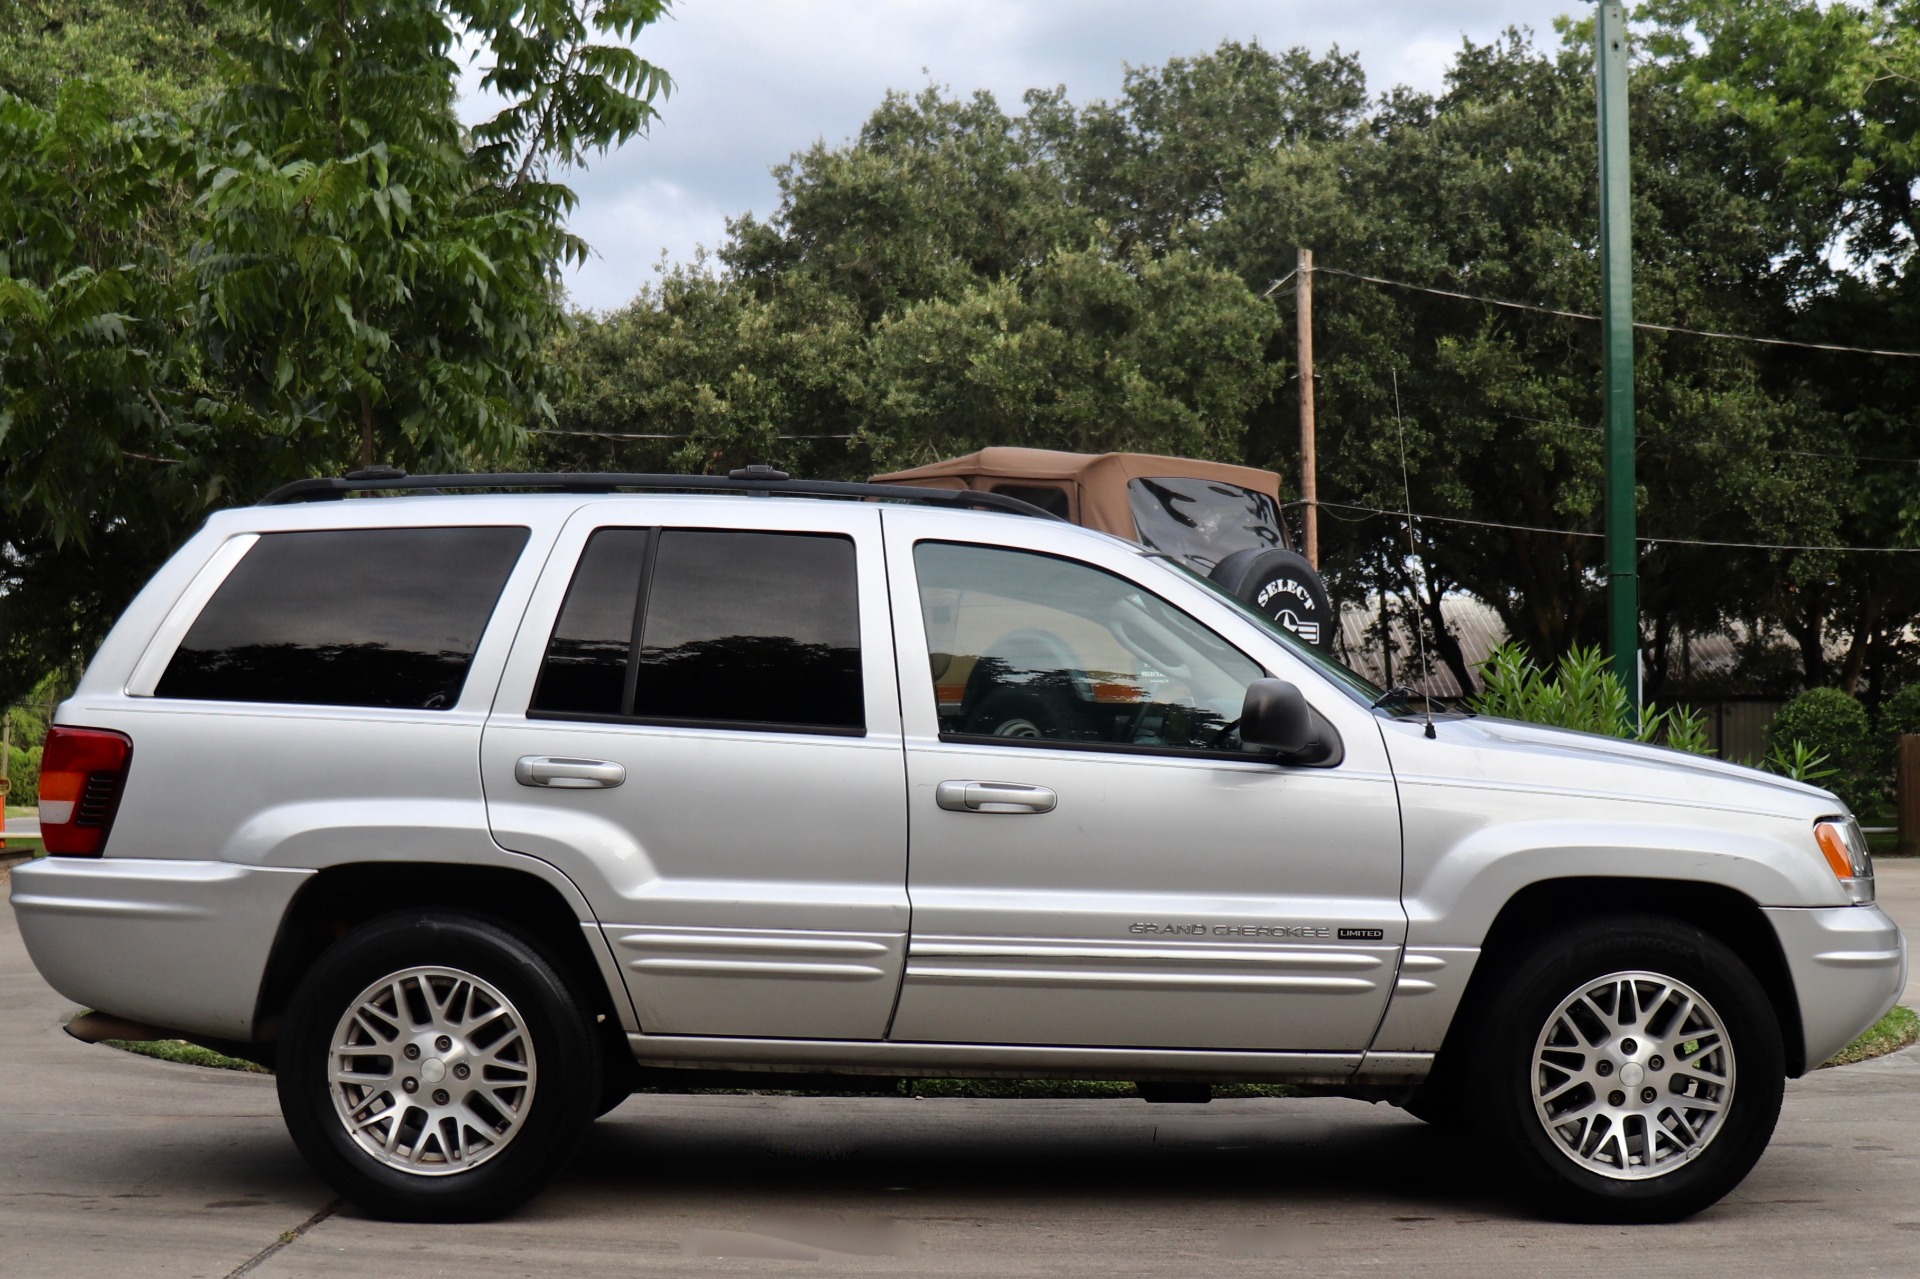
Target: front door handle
<point x="993" y="797"/>
<point x="563" y="773"/>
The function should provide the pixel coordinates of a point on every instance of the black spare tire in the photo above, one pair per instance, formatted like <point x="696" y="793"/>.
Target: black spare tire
<point x="1281" y="584"/>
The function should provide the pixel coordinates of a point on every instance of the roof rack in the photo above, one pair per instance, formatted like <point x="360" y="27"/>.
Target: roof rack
<point x="760" y="480"/>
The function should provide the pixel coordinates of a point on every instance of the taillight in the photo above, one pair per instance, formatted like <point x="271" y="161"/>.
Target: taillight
<point x="82" y="771"/>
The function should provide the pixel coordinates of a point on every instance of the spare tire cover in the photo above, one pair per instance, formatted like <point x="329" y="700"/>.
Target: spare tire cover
<point x="1281" y="584"/>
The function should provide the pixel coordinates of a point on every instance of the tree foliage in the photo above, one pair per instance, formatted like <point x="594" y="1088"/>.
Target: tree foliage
<point x="208" y="286"/>
<point x="145" y="55"/>
<point x="1098" y="276"/>
<point x="368" y="270"/>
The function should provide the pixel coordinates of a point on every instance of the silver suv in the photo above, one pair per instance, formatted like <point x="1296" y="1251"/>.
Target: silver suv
<point x="473" y="811"/>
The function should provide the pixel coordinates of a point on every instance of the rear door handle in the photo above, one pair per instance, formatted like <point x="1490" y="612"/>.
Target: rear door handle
<point x="993" y="797"/>
<point x="562" y="773"/>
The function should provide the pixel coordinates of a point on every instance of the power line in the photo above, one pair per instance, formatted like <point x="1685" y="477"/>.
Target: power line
<point x="1638" y="324"/>
<point x="1647" y="442"/>
<point x="1279" y="284"/>
<point x="1649" y="541"/>
<point x="627" y="435"/>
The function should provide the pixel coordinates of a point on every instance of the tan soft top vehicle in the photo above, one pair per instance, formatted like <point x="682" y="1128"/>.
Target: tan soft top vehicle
<point x="1222" y="521"/>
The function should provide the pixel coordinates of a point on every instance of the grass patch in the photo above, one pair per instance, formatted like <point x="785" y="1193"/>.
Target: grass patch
<point x="186" y="1054"/>
<point x="22" y="810"/>
<point x="1890" y="1034"/>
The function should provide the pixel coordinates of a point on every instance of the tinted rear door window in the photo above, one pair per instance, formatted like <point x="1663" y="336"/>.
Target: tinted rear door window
<point x="585" y="672"/>
<point x="748" y="629"/>
<point x="348" y="617"/>
<point x="754" y="628"/>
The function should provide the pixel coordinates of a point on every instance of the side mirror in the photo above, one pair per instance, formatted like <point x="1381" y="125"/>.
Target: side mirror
<point x="1275" y="717"/>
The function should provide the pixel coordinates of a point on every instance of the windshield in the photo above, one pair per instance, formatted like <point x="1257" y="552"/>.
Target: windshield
<point x="1360" y="689"/>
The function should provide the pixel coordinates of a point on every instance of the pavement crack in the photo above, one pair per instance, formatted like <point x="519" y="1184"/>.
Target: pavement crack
<point x="254" y="1262"/>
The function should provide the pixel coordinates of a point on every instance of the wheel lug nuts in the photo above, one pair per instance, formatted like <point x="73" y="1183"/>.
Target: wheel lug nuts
<point x="1656" y="1062"/>
<point x="1628" y="1047"/>
<point x="1604" y="1069"/>
<point x="1614" y="1098"/>
<point x="443" y="1043"/>
<point x="462" y="1071"/>
<point x="410" y="1085"/>
<point x="440" y="1096"/>
<point x="1647" y="1095"/>
<point x="411" y="1052"/>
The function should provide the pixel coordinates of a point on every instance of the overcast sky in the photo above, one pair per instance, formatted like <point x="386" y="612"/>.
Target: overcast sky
<point x="757" y="80"/>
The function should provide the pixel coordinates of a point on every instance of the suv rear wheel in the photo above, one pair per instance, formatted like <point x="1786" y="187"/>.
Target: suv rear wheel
<point x="1631" y="1068"/>
<point x="436" y="1067"/>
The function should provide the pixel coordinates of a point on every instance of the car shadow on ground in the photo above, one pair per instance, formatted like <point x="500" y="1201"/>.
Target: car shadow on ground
<point x="1115" y="1152"/>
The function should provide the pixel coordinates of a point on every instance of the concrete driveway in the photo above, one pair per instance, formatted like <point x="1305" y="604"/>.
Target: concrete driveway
<point x="115" y="1166"/>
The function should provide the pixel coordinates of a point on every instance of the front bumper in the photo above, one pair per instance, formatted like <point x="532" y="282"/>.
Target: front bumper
<point x="173" y="943"/>
<point x="1849" y="965"/>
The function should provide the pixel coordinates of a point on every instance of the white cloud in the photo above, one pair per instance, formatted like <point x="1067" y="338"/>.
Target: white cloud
<point x="757" y="80"/>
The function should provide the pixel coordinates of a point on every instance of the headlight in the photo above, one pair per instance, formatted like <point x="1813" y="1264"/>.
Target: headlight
<point x="1845" y="847"/>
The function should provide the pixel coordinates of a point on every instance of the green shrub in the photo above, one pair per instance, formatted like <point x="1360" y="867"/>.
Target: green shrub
<point x="1901" y="712"/>
<point x="23" y="770"/>
<point x="1831" y="724"/>
<point x="1898" y="714"/>
<point x="23" y="760"/>
<point x="1582" y="693"/>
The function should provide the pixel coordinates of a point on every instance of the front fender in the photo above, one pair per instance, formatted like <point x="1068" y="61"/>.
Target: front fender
<point x="1468" y="853"/>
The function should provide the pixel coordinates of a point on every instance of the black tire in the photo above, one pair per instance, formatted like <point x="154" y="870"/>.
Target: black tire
<point x="1281" y="584"/>
<point x="1437" y="1105"/>
<point x="619" y="1075"/>
<point x="1023" y="713"/>
<point x="533" y="1072"/>
<point x="1642" y="1052"/>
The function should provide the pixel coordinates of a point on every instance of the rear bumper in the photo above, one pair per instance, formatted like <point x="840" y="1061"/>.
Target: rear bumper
<point x="1849" y="965"/>
<point x="175" y="943"/>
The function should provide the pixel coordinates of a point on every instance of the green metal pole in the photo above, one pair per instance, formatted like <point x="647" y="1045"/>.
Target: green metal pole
<point x="1616" y="323"/>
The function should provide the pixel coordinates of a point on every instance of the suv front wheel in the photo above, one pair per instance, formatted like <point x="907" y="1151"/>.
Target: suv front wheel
<point x="436" y="1067"/>
<point x="1632" y="1069"/>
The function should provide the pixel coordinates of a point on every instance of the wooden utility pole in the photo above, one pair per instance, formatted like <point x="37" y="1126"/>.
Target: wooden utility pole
<point x="1907" y="794"/>
<point x="1309" y="487"/>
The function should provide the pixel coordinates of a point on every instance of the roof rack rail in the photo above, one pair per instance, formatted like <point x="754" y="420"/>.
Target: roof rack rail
<point x="764" y="481"/>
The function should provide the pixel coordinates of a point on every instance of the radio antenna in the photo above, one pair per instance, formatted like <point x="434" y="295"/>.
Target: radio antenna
<point x="1406" y="495"/>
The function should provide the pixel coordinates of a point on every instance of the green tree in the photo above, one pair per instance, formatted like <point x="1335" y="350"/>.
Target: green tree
<point x="1086" y="276"/>
<point x="96" y="375"/>
<point x="928" y="289"/>
<point x="1819" y="107"/>
<point x="370" y="276"/>
<point x="364" y="279"/>
<point x="146" y="55"/>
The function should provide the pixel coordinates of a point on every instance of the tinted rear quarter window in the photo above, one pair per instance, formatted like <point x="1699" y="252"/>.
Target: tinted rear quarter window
<point x="347" y="617"/>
